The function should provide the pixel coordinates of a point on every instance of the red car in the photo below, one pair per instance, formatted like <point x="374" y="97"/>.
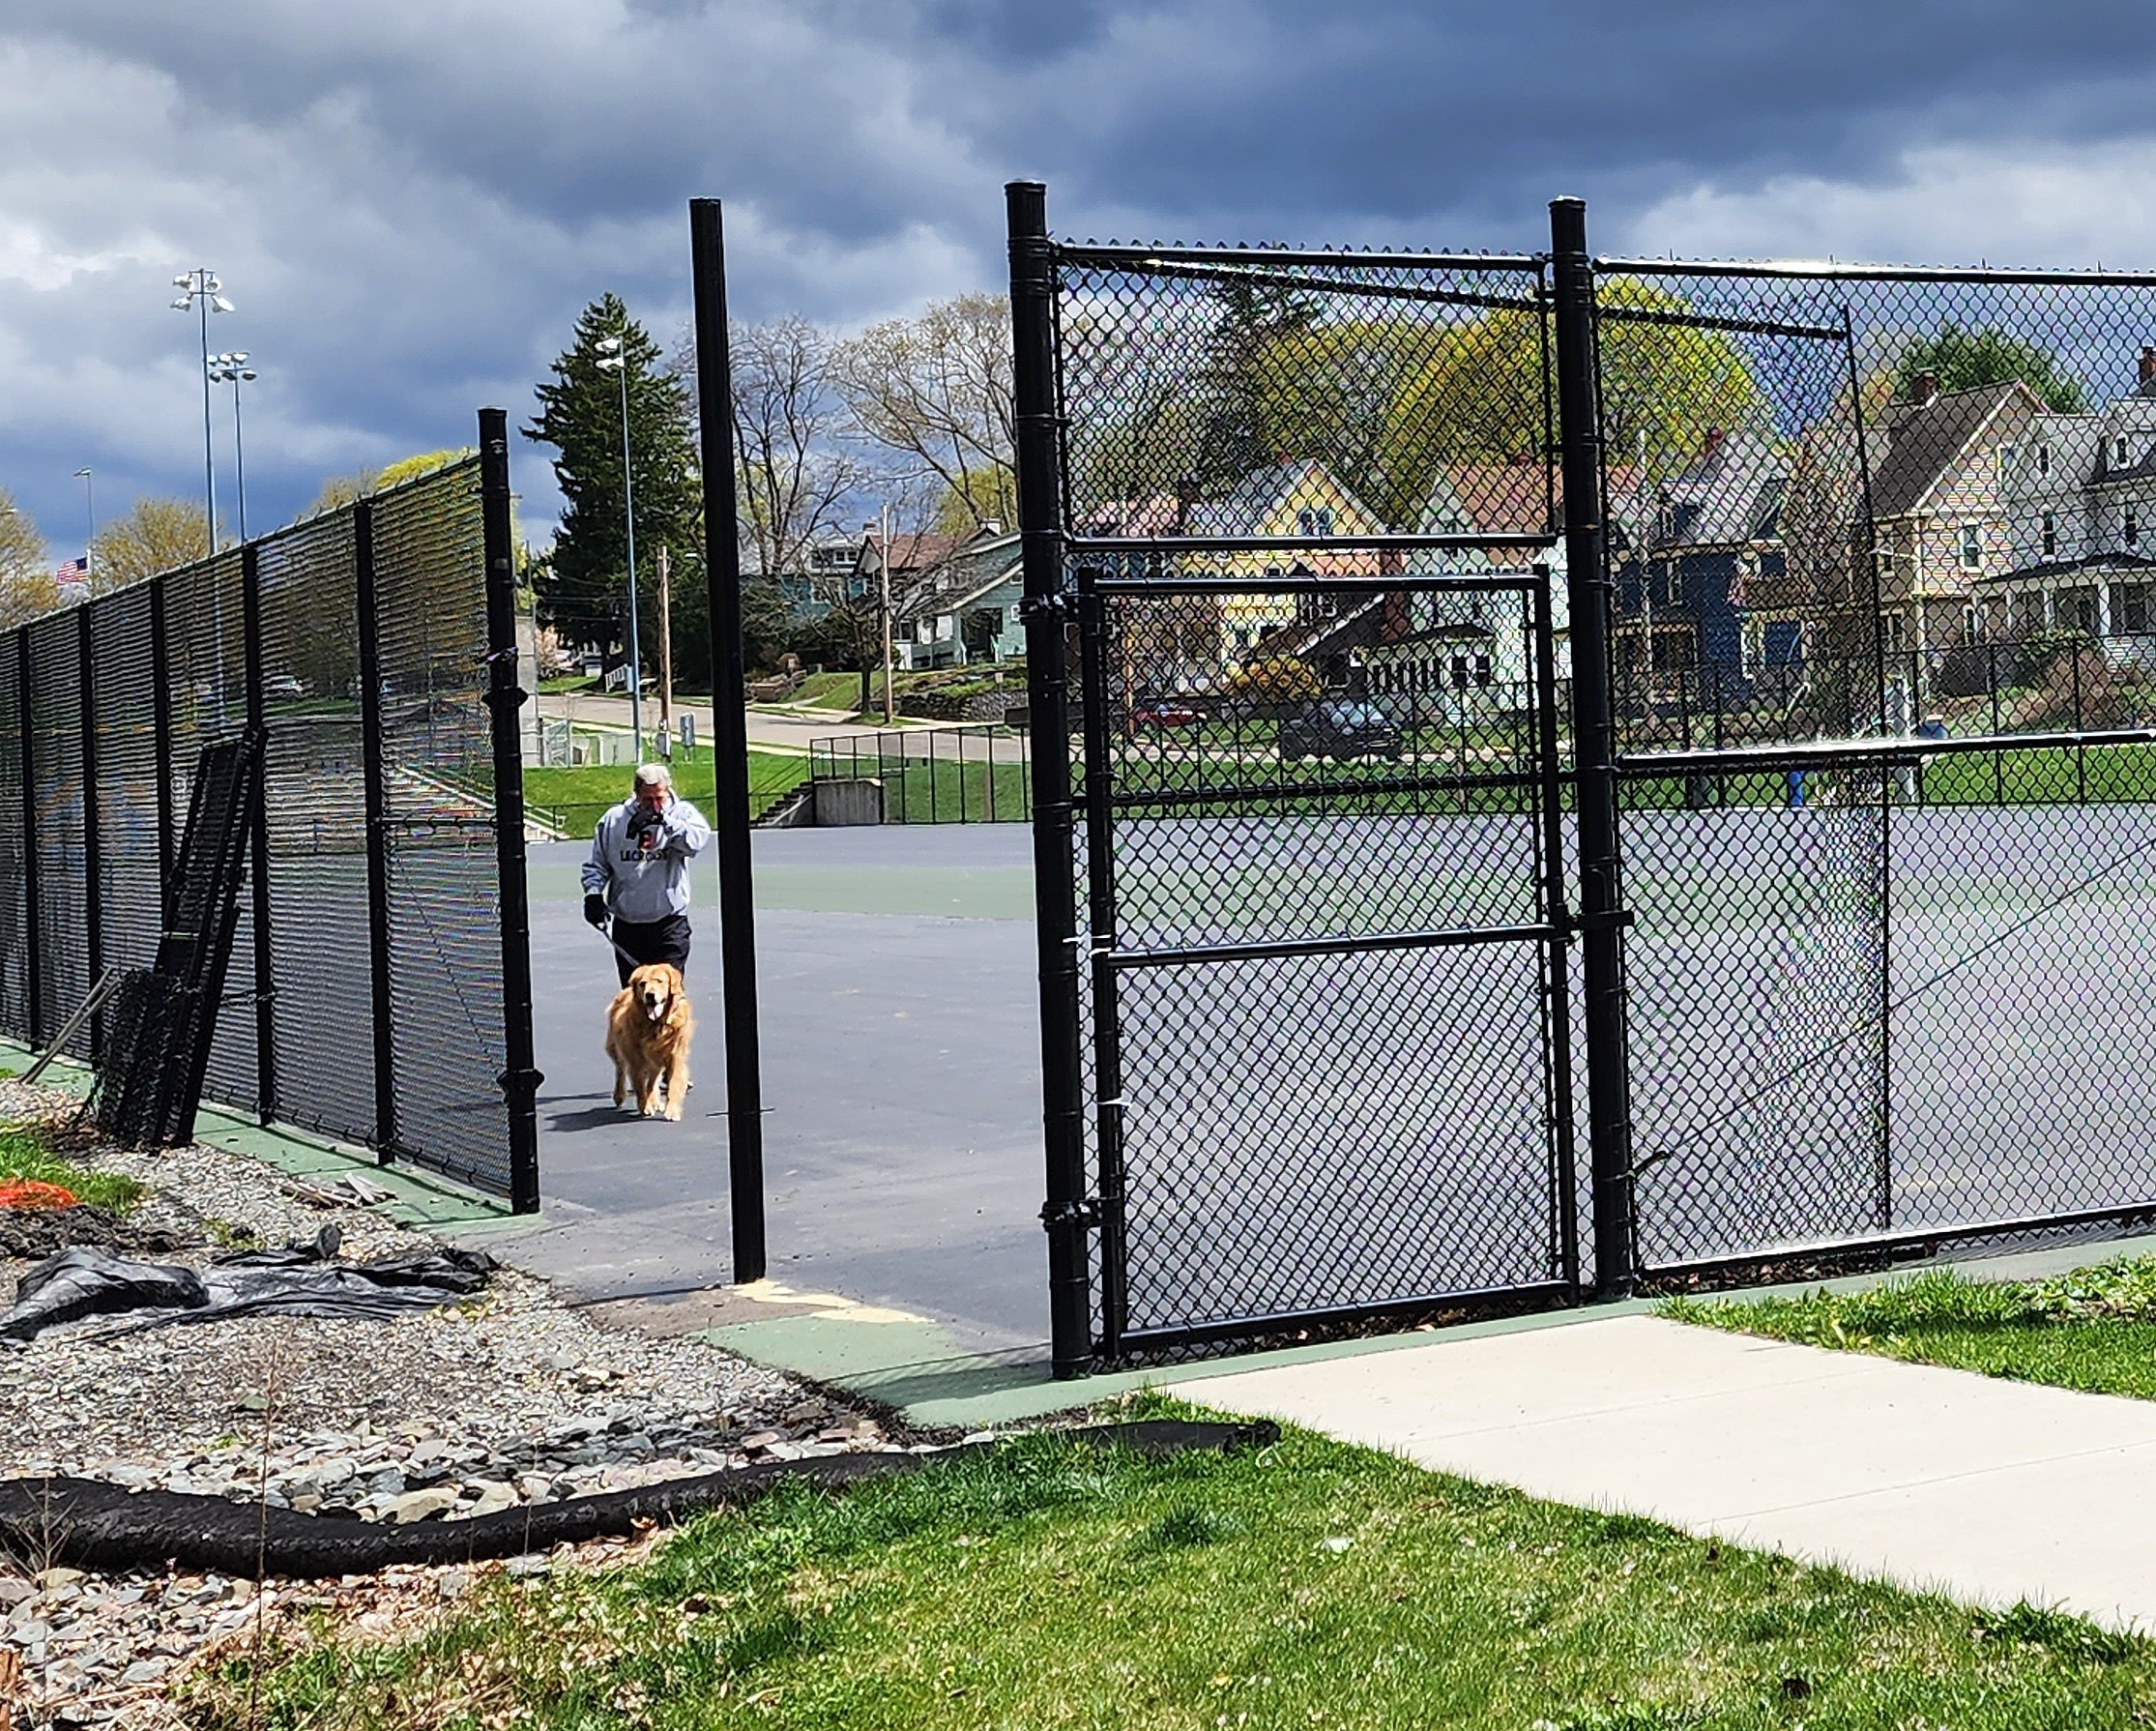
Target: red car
<point x="1165" y="714"/>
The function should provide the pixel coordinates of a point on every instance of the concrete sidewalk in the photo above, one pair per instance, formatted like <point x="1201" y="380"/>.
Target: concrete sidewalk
<point x="1991" y="1490"/>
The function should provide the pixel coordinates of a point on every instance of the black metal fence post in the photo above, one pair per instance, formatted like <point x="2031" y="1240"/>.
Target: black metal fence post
<point x="1047" y="679"/>
<point x="1594" y="745"/>
<point x="505" y="699"/>
<point x="161" y="688"/>
<point x="93" y="845"/>
<point x="374" y="786"/>
<point x="33" y="943"/>
<point x="258" y="868"/>
<point x="737" y="910"/>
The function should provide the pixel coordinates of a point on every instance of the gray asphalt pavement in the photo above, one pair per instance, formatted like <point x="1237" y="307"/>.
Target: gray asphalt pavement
<point x="902" y="1086"/>
<point x="1329" y="1129"/>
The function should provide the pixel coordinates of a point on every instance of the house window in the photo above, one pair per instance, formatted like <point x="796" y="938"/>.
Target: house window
<point x="2130" y="525"/>
<point x="2118" y="453"/>
<point x="2007" y="453"/>
<point x="2050" y="534"/>
<point x="2043" y="459"/>
<point x="1314" y="523"/>
<point x="2129" y="609"/>
<point x="1972" y="546"/>
<point x="1893" y="632"/>
<point x="1459" y="671"/>
<point x="1484" y="672"/>
<point x="1882" y="561"/>
<point x="1973" y="625"/>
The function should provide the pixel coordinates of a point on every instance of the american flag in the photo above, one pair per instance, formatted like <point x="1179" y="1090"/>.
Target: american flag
<point x="74" y="578"/>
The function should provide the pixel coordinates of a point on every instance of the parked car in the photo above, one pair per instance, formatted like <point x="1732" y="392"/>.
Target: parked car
<point x="1165" y="712"/>
<point x="1340" y="728"/>
<point x="283" y="687"/>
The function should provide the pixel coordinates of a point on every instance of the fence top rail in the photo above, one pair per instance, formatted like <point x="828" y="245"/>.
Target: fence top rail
<point x="1736" y="760"/>
<point x="1397" y="583"/>
<point x="1535" y="541"/>
<point x="1811" y="270"/>
<point x="1135" y="256"/>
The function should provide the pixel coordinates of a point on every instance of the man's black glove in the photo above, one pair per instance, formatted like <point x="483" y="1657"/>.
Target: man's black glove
<point x="644" y="819"/>
<point x="594" y="909"/>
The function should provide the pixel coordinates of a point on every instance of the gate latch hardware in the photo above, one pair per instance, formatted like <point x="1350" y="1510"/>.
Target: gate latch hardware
<point x="1617" y="919"/>
<point x="1086" y="1212"/>
<point x="1043" y="606"/>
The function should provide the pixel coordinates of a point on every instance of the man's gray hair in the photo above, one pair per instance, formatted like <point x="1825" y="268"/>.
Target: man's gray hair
<point x="655" y="775"/>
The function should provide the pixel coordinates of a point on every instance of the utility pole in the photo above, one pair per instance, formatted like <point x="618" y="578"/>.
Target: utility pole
<point x="883" y="585"/>
<point x="666" y="655"/>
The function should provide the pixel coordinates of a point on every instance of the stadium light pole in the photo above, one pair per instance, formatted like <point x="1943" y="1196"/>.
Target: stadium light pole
<point x="229" y="369"/>
<point x="613" y="358"/>
<point x="90" y="510"/>
<point x="199" y="294"/>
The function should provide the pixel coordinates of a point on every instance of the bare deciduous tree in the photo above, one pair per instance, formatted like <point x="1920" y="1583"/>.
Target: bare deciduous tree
<point x="799" y="477"/>
<point x="936" y="390"/>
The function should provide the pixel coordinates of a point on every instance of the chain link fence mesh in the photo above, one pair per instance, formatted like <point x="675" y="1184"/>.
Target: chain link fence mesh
<point x="444" y="1105"/>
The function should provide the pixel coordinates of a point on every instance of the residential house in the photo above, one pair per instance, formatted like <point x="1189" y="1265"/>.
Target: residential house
<point x="2080" y="505"/>
<point x="1942" y="526"/>
<point x="1466" y="652"/>
<point x="1688" y="552"/>
<point x="963" y="610"/>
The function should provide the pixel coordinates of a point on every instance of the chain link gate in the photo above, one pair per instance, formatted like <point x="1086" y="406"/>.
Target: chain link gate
<point x="1311" y="974"/>
<point x="1881" y="650"/>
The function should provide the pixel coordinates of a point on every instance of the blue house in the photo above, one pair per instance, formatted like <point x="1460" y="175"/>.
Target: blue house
<point x="1684" y="550"/>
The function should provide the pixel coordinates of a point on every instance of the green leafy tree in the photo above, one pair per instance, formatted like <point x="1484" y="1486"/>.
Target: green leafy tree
<point x="1964" y="359"/>
<point x="582" y="583"/>
<point x="342" y="489"/>
<point x="27" y="585"/>
<point x="156" y="536"/>
<point x="1479" y="399"/>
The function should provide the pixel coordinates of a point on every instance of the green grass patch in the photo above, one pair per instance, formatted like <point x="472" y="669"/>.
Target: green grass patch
<point x="2093" y="1330"/>
<point x="1310" y="1584"/>
<point x="23" y="1155"/>
<point x="578" y="797"/>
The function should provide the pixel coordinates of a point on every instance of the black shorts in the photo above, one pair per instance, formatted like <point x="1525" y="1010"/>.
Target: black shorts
<point x="656" y="940"/>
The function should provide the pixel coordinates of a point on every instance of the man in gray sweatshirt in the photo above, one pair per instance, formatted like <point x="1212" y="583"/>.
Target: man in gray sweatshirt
<point x="638" y="872"/>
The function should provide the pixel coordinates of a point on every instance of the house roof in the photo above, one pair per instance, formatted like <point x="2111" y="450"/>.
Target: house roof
<point x="2092" y="565"/>
<point x="1246" y="508"/>
<point x="1925" y="440"/>
<point x="911" y="552"/>
<point x="963" y="575"/>
<point x="1730" y="494"/>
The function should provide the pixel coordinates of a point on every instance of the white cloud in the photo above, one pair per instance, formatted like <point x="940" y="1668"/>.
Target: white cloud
<point x="2005" y="202"/>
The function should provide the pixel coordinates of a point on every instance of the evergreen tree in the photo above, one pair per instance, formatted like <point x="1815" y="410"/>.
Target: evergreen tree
<point x="1243" y="359"/>
<point x="582" y="583"/>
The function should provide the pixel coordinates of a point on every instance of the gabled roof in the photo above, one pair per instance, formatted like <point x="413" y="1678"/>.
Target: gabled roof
<point x="963" y="576"/>
<point x="1730" y="494"/>
<point x="909" y="552"/>
<point x="1263" y="493"/>
<point x="1926" y="440"/>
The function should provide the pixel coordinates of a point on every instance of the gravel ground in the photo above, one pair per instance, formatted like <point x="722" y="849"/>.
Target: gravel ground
<point x="510" y="1397"/>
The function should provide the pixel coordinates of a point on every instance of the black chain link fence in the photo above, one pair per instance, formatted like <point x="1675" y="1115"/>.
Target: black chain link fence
<point x="1316" y="784"/>
<point x="1878" y="991"/>
<point x="1848" y="776"/>
<point x="365" y="995"/>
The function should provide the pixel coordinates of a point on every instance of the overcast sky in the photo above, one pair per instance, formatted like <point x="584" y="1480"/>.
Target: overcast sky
<point x="409" y="201"/>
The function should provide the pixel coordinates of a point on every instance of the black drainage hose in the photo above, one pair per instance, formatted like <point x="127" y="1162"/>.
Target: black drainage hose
<point x="87" y="1523"/>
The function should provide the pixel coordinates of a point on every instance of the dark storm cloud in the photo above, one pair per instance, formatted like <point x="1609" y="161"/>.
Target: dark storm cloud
<point x="411" y="200"/>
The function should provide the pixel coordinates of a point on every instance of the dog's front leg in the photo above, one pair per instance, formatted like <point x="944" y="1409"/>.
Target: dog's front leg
<point x="677" y="1085"/>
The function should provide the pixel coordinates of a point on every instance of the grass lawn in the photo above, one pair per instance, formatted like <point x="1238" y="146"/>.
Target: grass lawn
<point x="2093" y="1330"/>
<point x="1310" y="1584"/>
<point x="23" y="1155"/>
<point x="578" y="796"/>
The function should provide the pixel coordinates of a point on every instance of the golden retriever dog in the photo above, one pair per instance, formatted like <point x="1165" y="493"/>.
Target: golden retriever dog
<point x="648" y="1030"/>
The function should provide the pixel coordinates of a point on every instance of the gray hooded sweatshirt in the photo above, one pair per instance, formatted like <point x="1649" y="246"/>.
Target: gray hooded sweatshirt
<point x="640" y="859"/>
